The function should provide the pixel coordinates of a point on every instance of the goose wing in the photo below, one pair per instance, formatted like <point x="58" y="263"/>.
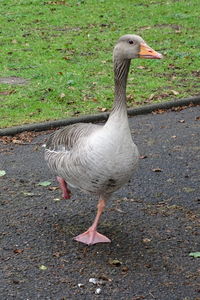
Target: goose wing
<point x="66" y="138"/>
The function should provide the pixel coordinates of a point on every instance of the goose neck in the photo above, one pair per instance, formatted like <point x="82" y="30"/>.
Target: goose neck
<point x="121" y="69"/>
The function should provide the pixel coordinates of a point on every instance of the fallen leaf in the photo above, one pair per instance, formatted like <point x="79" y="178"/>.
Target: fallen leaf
<point x="43" y="268"/>
<point x="17" y="251"/>
<point x="7" y="92"/>
<point x="175" y="93"/>
<point x="159" y="111"/>
<point x="156" y="170"/>
<point x="66" y="57"/>
<point x="15" y="141"/>
<point x="146" y="240"/>
<point x="143" y="157"/>
<point x="56" y="199"/>
<point x="125" y="269"/>
<point x="138" y="298"/>
<point x="44" y="183"/>
<point x="62" y="95"/>
<point x="53" y="188"/>
<point x="194" y="254"/>
<point x="114" y="262"/>
<point x="188" y="189"/>
<point x="103" y="109"/>
<point x="141" y="67"/>
<point x="55" y="2"/>
<point x="170" y="180"/>
<point x="119" y="210"/>
<point x="151" y="97"/>
<point x="145" y="27"/>
<point x="70" y="82"/>
<point x="56" y="254"/>
<point x="71" y="88"/>
<point x="181" y="121"/>
<point x="2" y="173"/>
<point x="28" y="194"/>
<point x="105" y="277"/>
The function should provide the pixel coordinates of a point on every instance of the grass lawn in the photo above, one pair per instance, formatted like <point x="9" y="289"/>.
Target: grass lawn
<point x="64" y="51"/>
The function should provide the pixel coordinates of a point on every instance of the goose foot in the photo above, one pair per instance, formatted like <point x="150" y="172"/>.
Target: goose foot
<point x="66" y="193"/>
<point x="91" y="237"/>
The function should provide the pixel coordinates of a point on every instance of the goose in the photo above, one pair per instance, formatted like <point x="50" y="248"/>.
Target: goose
<point x="100" y="159"/>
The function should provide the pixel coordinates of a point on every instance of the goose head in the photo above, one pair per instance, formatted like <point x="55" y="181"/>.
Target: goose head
<point x="132" y="46"/>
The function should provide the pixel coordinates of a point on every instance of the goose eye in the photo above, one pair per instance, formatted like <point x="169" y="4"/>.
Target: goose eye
<point x="131" y="42"/>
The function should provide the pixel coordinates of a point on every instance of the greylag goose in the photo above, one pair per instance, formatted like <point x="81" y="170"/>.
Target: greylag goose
<point x="100" y="159"/>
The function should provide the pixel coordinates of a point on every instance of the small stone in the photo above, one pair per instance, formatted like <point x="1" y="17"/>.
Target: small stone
<point x="125" y="269"/>
<point x="98" y="291"/>
<point x="93" y="280"/>
<point x="115" y="262"/>
<point x="146" y="240"/>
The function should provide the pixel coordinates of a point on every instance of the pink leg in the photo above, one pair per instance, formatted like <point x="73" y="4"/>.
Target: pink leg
<point x="63" y="186"/>
<point x="91" y="236"/>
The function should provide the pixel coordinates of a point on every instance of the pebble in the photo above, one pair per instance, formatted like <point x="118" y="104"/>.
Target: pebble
<point x="98" y="291"/>
<point x="93" y="280"/>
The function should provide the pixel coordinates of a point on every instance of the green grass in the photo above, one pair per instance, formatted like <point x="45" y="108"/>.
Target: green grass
<point x="64" y="49"/>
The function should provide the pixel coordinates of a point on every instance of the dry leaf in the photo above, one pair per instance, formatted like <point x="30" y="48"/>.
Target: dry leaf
<point x="44" y="183"/>
<point x="7" y="92"/>
<point x="143" y="157"/>
<point x="141" y="67"/>
<point x="114" y="262"/>
<point x="42" y="267"/>
<point x="56" y="254"/>
<point x="146" y="240"/>
<point x="103" y="109"/>
<point x="56" y="199"/>
<point x="53" y="188"/>
<point x="156" y="170"/>
<point x="27" y="194"/>
<point x="2" y="173"/>
<point x="175" y="93"/>
<point x="15" y="141"/>
<point x="62" y="95"/>
<point x="17" y="251"/>
<point x="194" y="254"/>
<point x="125" y="269"/>
<point x="151" y="97"/>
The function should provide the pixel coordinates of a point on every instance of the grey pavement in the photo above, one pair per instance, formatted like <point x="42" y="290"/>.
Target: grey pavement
<point x="153" y="222"/>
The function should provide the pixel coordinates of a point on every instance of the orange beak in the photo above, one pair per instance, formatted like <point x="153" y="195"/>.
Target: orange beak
<point x="147" y="52"/>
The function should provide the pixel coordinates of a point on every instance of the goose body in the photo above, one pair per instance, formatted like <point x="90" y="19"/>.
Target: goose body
<point x="96" y="159"/>
<point x="99" y="159"/>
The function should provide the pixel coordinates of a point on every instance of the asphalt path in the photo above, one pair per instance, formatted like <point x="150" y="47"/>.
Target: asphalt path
<point x="153" y="222"/>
